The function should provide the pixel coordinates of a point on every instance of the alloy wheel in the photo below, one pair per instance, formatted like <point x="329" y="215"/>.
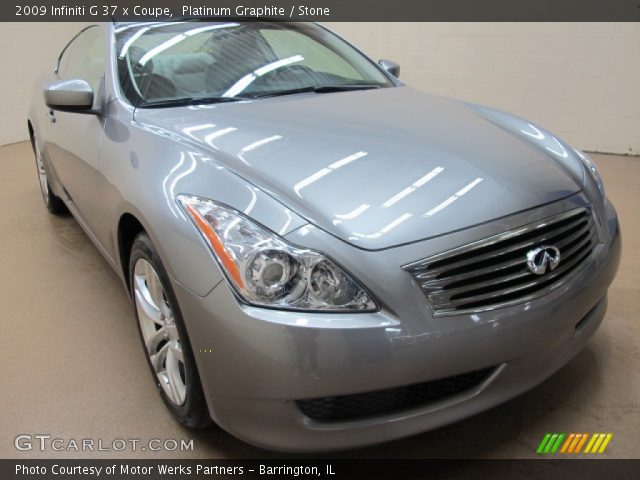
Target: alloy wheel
<point x="159" y="332"/>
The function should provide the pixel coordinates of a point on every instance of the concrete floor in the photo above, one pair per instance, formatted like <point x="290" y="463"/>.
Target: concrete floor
<point x="72" y="365"/>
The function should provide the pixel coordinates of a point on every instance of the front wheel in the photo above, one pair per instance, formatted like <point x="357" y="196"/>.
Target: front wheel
<point x="164" y="336"/>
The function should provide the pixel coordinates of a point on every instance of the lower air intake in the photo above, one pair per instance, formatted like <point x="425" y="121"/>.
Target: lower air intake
<point x="391" y="400"/>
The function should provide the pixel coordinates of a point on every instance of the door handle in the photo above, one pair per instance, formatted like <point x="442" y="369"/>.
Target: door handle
<point x="52" y="116"/>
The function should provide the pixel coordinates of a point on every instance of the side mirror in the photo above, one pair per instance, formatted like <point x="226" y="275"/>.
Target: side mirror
<point x="74" y="95"/>
<point x="390" y="67"/>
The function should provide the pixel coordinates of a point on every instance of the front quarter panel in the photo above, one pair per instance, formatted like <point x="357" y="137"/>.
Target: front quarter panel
<point x="536" y="136"/>
<point x="550" y="145"/>
<point x="145" y="168"/>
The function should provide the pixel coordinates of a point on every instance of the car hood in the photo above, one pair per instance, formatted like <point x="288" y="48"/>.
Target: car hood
<point x="379" y="168"/>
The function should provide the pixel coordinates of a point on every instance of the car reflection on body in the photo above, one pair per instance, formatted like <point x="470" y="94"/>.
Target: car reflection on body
<point x="320" y="257"/>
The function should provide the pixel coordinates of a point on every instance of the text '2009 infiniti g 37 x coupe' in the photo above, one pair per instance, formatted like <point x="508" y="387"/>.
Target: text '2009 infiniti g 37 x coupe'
<point x="319" y="256"/>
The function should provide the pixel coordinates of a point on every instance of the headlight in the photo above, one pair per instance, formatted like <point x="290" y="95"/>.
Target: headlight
<point x="591" y="168"/>
<point x="265" y="270"/>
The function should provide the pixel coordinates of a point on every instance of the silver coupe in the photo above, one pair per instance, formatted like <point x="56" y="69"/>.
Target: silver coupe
<point x="319" y="256"/>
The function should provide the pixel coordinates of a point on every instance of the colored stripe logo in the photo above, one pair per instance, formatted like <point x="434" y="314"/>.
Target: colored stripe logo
<point x="574" y="443"/>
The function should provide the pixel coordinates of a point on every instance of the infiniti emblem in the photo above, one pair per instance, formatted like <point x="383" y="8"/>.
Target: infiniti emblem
<point x="543" y="259"/>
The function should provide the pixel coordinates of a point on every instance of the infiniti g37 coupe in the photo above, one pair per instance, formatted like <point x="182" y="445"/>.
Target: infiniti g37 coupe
<point x="319" y="256"/>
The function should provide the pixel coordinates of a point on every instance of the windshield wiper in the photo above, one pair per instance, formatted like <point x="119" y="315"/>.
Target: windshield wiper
<point x="184" y="101"/>
<point x="321" y="89"/>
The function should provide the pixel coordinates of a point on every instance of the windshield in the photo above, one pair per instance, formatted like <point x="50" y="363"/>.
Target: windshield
<point x="173" y="63"/>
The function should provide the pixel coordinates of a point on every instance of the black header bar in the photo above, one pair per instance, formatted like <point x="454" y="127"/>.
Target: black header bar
<point x="325" y="469"/>
<point x="324" y="10"/>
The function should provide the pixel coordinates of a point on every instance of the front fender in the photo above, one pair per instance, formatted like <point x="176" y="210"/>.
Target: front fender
<point x="144" y="170"/>
<point x="537" y="137"/>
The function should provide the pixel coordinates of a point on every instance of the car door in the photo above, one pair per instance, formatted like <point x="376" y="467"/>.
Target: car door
<point x="73" y="139"/>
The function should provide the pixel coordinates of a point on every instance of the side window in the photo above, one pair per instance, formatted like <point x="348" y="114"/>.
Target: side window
<point x="85" y="58"/>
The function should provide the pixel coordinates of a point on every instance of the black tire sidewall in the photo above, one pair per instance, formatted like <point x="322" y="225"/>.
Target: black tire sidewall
<point x="193" y="412"/>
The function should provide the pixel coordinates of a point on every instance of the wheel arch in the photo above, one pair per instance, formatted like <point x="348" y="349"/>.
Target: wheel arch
<point x="30" y="129"/>
<point x="129" y="227"/>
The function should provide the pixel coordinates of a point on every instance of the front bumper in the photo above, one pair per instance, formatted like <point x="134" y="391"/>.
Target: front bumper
<point x="254" y="363"/>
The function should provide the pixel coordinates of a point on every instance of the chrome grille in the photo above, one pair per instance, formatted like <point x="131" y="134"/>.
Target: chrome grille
<point x="493" y="272"/>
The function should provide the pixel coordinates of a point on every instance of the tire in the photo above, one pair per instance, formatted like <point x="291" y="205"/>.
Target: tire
<point x="54" y="204"/>
<point x="161" y="330"/>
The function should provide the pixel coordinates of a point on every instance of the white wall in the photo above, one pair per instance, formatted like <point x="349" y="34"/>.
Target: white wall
<point x="580" y="80"/>
<point x="26" y="51"/>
